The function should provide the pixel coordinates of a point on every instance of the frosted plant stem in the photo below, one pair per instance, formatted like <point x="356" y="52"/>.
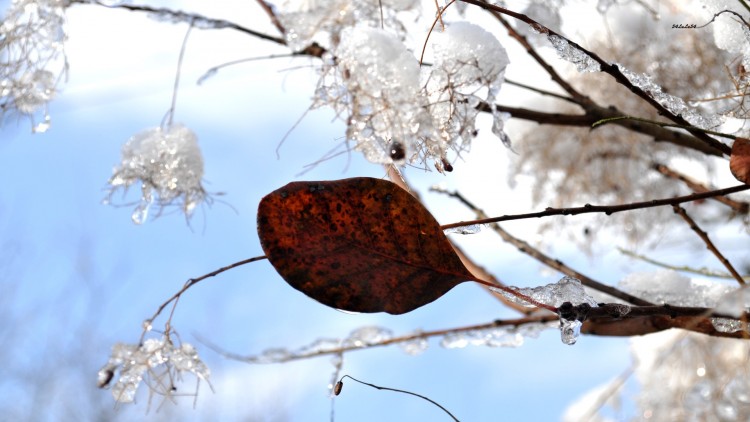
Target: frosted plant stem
<point x="193" y="281"/>
<point x="709" y="244"/>
<point x="340" y="384"/>
<point x="515" y="323"/>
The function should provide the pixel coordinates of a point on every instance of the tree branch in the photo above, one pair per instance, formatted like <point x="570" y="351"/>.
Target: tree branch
<point x="610" y="69"/>
<point x="739" y="207"/>
<point x="550" y="262"/>
<point x="607" y="209"/>
<point x="709" y="244"/>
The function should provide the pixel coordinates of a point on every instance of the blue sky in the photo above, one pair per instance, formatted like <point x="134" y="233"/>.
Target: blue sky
<point x="78" y="276"/>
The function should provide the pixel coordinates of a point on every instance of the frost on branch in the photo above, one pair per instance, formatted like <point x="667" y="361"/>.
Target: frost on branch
<point x="667" y="286"/>
<point x="676" y="105"/>
<point x="376" y="84"/>
<point x="321" y="21"/>
<point x="169" y="166"/>
<point x="567" y="289"/>
<point x="469" y="67"/>
<point x="158" y="363"/>
<point x="584" y="63"/>
<point x="397" y="112"/>
<point x="32" y="35"/>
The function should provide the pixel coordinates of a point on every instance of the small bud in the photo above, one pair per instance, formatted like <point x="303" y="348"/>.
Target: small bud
<point x="337" y="388"/>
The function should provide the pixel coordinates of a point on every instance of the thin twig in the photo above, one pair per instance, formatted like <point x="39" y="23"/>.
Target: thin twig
<point x="683" y="268"/>
<point x="662" y="124"/>
<point x="549" y="261"/>
<point x="606" y="209"/>
<point x="709" y="244"/>
<point x="340" y="384"/>
<point x="193" y="281"/>
<point x="739" y="207"/>
<point x="268" y="8"/>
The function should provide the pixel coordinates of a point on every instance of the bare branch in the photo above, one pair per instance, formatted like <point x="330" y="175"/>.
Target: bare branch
<point x="740" y="207"/>
<point x="551" y="262"/>
<point x="709" y="244"/>
<point x="606" y="209"/>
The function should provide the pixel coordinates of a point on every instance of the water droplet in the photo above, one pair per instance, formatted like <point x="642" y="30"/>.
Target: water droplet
<point x="570" y="330"/>
<point x="140" y="214"/>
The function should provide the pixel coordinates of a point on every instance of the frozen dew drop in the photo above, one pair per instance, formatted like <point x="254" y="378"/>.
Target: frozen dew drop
<point x="454" y="341"/>
<point x="470" y="229"/>
<point x="570" y="330"/>
<point x="727" y="325"/>
<point x="365" y="336"/>
<point x="140" y="214"/>
<point x="415" y="346"/>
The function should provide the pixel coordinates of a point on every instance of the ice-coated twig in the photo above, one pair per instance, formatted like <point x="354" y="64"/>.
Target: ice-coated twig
<point x="327" y="347"/>
<point x="608" y="68"/>
<point x="709" y="244"/>
<point x="606" y="209"/>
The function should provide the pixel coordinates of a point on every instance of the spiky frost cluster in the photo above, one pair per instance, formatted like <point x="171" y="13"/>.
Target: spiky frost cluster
<point x="169" y="166"/>
<point x="396" y="111"/>
<point x="159" y="363"/>
<point x="32" y="35"/>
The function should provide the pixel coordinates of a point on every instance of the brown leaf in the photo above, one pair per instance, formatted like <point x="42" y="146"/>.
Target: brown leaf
<point x="360" y="244"/>
<point x="739" y="161"/>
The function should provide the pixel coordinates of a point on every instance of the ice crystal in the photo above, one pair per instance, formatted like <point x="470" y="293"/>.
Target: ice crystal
<point x="365" y="336"/>
<point x="469" y="68"/>
<point x="308" y="21"/>
<point x="471" y="229"/>
<point x="169" y="167"/>
<point x="570" y="330"/>
<point x="667" y="286"/>
<point x="157" y="362"/>
<point x="493" y="337"/>
<point x="675" y="105"/>
<point x="32" y="35"/>
<point x="584" y="63"/>
<point x="728" y="325"/>
<point x="416" y="346"/>
<point x="567" y="289"/>
<point x="734" y="303"/>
